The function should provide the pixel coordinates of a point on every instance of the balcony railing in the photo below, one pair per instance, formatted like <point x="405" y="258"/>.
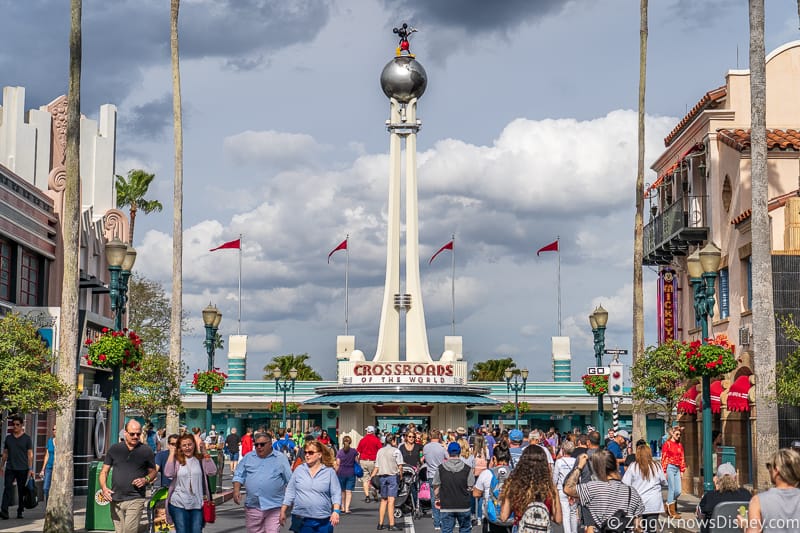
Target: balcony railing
<point x="670" y="233"/>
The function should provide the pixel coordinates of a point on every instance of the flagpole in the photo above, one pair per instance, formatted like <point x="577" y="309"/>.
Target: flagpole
<point x="558" y="251"/>
<point x="453" y="284"/>
<point x="239" y="323"/>
<point x="346" y="279"/>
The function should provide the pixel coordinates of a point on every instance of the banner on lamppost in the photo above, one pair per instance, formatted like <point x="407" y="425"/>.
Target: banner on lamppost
<point x="667" y="287"/>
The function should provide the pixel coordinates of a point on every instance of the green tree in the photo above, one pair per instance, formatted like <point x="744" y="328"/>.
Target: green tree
<point x="289" y="361"/>
<point x="59" y="515"/>
<point x="155" y="388"/>
<point x="656" y="379"/>
<point x="491" y="370"/>
<point x="150" y="314"/>
<point x="787" y="383"/>
<point x="26" y="382"/>
<point x="131" y="192"/>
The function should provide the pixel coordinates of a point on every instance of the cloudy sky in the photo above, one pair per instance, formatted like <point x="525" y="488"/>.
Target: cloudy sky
<point x="529" y="133"/>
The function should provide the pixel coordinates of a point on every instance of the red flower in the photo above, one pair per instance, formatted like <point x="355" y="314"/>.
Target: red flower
<point x="104" y="330"/>
<point x="102" y="357"/>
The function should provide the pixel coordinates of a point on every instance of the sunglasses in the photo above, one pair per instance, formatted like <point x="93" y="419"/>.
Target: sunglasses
<point x="311" y="452"/>
<point x="260" y="444"/>
<point x="172" y="443"/>
<point x="134" y="434"/>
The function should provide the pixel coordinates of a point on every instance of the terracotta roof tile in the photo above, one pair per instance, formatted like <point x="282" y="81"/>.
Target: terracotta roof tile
<point x="709" y="100"/>
<point x="739" y="139"/>
<point x="772" y="205"/>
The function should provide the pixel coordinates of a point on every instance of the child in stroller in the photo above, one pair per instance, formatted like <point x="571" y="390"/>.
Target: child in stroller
<point x="424" y="493"/>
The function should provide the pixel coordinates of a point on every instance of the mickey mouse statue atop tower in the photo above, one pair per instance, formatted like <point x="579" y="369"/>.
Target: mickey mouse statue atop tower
<point x="403" y="32"/>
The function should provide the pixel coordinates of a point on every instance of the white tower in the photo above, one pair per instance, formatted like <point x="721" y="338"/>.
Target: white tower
<point x="403" y="80"/>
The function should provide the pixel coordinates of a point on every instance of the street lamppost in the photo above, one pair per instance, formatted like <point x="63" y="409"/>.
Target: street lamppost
<point x="284" y="385"/>
<point x="702" y="266"/>
<point x="211" y="318"/>
<point x="120" y="258"/>
<point x="516" y="387"/>
<point x="598" y="320"/>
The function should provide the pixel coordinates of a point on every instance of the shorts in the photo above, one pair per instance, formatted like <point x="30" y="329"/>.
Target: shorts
<point x="368" y="466"/>
<point x="388" y="486"/>
<point x="347" y="482"/>
<point x="234" y="456"/>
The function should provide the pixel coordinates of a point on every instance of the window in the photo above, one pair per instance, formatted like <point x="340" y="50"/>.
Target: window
<point x="749" y="281"/>
<point x="727" y="193"/>
<point x="6" y="277"/>
<point x="724" y="299"/>
<point x="30" y="279"/>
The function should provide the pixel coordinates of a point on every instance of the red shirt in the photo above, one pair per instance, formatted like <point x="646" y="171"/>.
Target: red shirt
<point x="368" y="447"/>
<point x="672" y="454"/>
<point x="247" y="444"/>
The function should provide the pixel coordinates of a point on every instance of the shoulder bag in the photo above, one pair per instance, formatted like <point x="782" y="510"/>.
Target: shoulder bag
<point x="209" y="507"/>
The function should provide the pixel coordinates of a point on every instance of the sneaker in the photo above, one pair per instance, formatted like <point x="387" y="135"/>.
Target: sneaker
<point x="394" y="528"/>
<point x="437" y="528"/>
<point x="380" y="526"/>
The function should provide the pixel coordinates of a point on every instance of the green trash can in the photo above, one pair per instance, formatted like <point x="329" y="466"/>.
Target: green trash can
<point x="727" y="455"/>
<point x="98" y="511"/>
<point x="212" y="480"/>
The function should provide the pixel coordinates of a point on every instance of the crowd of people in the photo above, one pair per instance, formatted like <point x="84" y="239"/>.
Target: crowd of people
<point x="497" y="480"/>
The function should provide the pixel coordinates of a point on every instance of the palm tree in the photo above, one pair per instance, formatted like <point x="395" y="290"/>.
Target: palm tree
<point x="491" y="370"/>
<point x="59" y="512"/>
<point x="177" y="206"/>
<point x="639" y="416"/>
<point x="287" y="362"/>
<point x="131" y="192"/>
<point x="763" y="310"/>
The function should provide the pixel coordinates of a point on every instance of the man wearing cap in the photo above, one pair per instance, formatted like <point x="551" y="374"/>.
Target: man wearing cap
<point x="387" y="468"/>
<point x="434" y="454"/>
<point x="515" y="437"/>
<point x="727" y="490"/>
<point x="452" y="487"/>
<point x="367" y="450"/>
<point x="618" y="446"/>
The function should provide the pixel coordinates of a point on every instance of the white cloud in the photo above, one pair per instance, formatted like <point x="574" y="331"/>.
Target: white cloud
<point x="285" y="150"/>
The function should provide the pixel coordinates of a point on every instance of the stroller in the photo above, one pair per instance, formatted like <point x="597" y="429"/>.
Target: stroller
<point x="404" y="503"/>
<point x="407" y="479"/>
<point x="157" y="511"/>
<point x="424" y="500"/>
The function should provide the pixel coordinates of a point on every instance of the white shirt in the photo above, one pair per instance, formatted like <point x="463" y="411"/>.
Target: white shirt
<point x="648" y="489"/>
<point x="188" y="491"/>
<point x="484" y="482"/>
<point x="563" y="466"/>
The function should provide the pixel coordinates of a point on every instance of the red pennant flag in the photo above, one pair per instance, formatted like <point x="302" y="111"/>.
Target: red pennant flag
<point x="448" y="246"/>
<point x="552" y="247"/>
<point x="237" y="244"/>
<point x="342" y="246"/>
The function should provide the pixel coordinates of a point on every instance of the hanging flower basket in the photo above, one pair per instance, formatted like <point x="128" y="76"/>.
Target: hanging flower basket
<point x="277" y="407"/>
<point x="595" y="385"/>
<point x="712" y="359"/>
<point x="210" y="381"/>
<point x="508" y="407"/>
<point x="115" y="349"/>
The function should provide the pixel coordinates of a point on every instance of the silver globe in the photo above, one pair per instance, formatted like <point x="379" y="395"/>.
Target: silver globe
<point x="403" y="78"/>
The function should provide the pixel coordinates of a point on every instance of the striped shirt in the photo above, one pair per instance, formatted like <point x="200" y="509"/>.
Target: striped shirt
<point x="603" y="498"/>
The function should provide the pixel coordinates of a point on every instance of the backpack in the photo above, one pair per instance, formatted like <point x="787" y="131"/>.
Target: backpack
<point x="493" y="503"/>
<point x="619" y="521"/>
<point x="536" y="519"/>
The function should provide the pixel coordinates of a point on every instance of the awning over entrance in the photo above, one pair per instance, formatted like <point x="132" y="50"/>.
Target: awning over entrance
<point x="739" y="394"/>
<point x="688" y="403"/>
<point x="411" y="397"/>
<point x="716" y="391"/>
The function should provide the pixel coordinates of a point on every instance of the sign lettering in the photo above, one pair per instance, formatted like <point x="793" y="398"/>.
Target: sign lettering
<point x="392" y="373"/>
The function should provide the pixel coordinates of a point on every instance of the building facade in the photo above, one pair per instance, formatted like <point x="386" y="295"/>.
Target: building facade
<point x="702" y="194"/>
